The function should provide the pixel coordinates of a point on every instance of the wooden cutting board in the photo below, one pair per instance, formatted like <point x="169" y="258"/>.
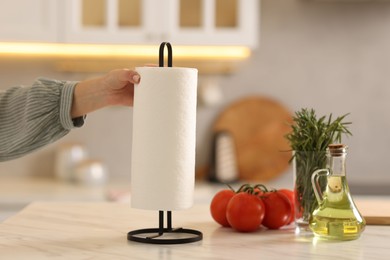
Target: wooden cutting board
<point x="376" y="211"/>
<point x="258" y="125"/>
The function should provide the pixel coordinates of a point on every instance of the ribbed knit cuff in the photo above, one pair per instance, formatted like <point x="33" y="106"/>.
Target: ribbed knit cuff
<point x="66" y="106"/>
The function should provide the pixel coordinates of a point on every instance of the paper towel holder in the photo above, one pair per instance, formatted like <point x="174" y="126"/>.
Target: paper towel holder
<point x="155" y="235"/>
<point x="141" y="235"/>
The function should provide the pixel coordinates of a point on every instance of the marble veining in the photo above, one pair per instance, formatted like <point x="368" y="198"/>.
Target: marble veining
<point x="97" y="230"/>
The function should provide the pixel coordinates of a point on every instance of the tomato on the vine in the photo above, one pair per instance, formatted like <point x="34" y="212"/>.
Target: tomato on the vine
<point x="290" y="195"/>
<point x="245" y="212"/>
<point x="277" y="208"/>
<point x="218" y="206"/>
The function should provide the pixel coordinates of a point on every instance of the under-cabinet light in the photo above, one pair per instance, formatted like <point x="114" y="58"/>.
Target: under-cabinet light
<point x="62" y="50"/>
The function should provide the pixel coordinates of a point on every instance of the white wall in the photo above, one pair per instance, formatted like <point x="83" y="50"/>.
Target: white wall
<point x="330" y="56"/>
<point x="333" y="56"/>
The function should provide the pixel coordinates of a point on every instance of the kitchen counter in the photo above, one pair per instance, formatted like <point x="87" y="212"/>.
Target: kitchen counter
<point x="24" y="190"/>
<point x="98" y="230"/>
<point x="18" y="192"/>
<point x="21" y="191"/>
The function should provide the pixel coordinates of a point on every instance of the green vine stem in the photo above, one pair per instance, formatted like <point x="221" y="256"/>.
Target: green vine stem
<point x="255" y="189"/>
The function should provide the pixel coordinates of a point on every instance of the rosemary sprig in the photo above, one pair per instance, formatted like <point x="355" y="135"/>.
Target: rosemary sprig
<point x="309" y="138"/>
<point x="312" y="134"/>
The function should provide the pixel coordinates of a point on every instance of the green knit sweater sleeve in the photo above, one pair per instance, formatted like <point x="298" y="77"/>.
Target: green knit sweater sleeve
<point x="32" y="117"/>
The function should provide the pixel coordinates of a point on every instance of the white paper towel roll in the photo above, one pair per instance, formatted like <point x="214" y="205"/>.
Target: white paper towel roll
<point x="164" y="122"/>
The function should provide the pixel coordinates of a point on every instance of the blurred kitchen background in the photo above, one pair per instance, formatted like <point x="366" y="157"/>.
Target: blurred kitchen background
<point x="333" y="56"/>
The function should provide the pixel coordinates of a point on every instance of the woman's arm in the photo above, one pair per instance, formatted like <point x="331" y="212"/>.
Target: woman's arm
<point x="32" y="117"/>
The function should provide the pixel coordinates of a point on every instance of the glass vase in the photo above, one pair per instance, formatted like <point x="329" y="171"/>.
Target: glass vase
<point x="304" y="164"/>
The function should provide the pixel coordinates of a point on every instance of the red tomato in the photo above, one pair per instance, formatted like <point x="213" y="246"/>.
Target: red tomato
<point x="290" y="195"/>
<point x="245" y="212"/>
<point x="218" y="206"/>
<point x="277" y="208"/>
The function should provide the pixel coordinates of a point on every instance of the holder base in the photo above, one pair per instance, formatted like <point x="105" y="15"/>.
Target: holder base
<point x="158" y="238"/>
<point x="158" y="233"/>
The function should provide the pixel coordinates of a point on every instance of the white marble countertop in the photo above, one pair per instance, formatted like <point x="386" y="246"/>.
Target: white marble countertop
<point x="98" y="230"/>
<point x="18" y="192"/>
<point x="24" y="190"/>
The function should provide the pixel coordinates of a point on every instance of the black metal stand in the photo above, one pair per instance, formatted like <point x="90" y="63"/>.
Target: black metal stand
<point x="166" y="235"/>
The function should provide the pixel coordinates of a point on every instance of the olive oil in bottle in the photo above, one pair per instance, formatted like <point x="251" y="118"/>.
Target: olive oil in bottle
<point x="336" y="217"/>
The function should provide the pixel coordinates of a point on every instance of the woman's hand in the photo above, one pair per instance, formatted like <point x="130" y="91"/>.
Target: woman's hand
<point x="114" y="88"/>
<point x="119" y="85"/>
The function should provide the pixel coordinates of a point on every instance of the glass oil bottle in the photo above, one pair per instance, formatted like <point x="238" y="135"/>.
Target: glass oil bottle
<point x="336" y="217"/>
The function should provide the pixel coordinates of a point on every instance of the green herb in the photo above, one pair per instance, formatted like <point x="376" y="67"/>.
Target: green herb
<point x="309" y="138"/>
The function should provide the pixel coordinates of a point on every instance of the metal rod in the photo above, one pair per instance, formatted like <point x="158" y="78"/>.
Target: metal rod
<point x="161" y="54"/>
<point x="161" y="222"/>
<point x="169" y="220"/>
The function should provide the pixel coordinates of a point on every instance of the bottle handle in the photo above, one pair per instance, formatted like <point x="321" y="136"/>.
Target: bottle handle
<point x="316" y="185"/>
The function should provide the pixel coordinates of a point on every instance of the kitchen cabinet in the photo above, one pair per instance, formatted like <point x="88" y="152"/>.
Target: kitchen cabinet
<point x="29" y="20"/>
<point x="213" y="22"/>
<point x="184" y="22"/>
<point x="206" y="23"/>
<point x="110" y="21"/>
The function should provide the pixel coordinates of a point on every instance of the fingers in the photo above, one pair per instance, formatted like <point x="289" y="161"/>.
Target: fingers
<point x="131" y="76"/>
<point x="136" y="78"/>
